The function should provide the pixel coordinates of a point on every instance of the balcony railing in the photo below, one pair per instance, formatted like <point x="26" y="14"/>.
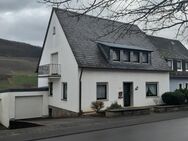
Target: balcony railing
<point x="50" y="70"/>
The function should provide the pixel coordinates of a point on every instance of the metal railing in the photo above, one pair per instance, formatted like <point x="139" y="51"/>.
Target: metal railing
<point x="50" y="70"/>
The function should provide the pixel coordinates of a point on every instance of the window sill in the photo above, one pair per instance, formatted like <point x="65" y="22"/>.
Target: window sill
<point x="63" y="99"/>
<point x="155" y="96"/>
<point x="102" y="99"/>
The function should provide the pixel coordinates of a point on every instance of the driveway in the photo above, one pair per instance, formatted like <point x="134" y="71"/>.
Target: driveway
<point x="171" y="130"/>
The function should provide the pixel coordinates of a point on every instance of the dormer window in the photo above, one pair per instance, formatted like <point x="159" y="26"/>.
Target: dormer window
<point x="116" y="55"/>
<point x="179" y="65"/>
<point x="170" y="64"/>
<point x="126" y="56"/>
<point x="136" y="57"/>
<point x="145" y="57"/>
<point x="186" y="66"/>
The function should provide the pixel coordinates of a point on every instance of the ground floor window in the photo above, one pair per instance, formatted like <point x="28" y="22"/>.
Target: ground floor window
<point x="50" y="88"/>
<point x="151" y="89"/>
<point x="102" y="90"/>
<point x="64" y="91"/>
<point x="180" y="86"/>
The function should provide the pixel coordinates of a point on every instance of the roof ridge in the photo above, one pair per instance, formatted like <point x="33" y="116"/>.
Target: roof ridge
<point x="91" y="16"/>
<point x="164" y="38"/>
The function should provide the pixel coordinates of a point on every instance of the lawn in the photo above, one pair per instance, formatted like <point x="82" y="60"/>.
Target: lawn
<point x="18" y="81"/>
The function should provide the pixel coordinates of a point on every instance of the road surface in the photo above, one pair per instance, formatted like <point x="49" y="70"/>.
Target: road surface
<point x="171" y="130"/>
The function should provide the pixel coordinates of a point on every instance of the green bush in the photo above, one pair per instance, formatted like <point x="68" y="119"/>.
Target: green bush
<point x="97" y="106"/>
<point x="174" y="98"/>
<point x="114" y="105"/>
<point x="184" y="91"/>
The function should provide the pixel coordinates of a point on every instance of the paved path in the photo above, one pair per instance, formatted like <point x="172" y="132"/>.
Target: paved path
<point x="69" y="126"/>
<point x="170" y="130"/>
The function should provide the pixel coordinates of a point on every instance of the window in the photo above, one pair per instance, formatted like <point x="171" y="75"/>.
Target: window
<point x="179" y="65"/>
<point x="54" y="30"/>
<point x="101" y="90"/>
<point x="136" y="57"/>
<point x="180" y="86"/>
<point x="151" y="88"/>
<point x="186" y="66"/>
<point x="145" y="57"/>
<point x="170" y="64"/>
<point x="116" y="55"/>
<point x="50" y="88"/>
<point x="64" y="91"/>
<point x="186" y="85"/>
<point x="126" y="56"/>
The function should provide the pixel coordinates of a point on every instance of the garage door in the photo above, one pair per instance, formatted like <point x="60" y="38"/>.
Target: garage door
<point x="28" y="107"/>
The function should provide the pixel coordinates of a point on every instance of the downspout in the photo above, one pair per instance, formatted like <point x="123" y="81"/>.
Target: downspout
<point x="80" y="92"/>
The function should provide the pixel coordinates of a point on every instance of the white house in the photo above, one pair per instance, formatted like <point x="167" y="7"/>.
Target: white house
<point x="84" y="61"/>
<point x="176" y="55"/>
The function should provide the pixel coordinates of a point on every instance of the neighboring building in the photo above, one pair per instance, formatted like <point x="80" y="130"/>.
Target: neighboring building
<point x="176" y="55"/>
<point x="83" y="61"/>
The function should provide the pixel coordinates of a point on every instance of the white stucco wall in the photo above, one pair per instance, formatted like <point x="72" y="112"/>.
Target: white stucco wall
<point x="8" y="104"/>
<point x="115" y="81"/>
<point x="174" y="83"/>
<point x="69" y="69"/>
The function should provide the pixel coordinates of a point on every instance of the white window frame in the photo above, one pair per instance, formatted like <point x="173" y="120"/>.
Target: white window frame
<point x="172" y="63"/>
<point x="181" y="65"/>
<point x="186" y="67"/>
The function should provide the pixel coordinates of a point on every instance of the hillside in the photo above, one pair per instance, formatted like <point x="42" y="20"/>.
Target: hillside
<point x="18" y="62"/>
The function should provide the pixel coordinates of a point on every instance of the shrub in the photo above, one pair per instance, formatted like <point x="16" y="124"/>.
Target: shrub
<point x="114" y="105"/>
<point x="174" y="98"/>
<point x="184" y="91"/>
<point x="97" y="106"/>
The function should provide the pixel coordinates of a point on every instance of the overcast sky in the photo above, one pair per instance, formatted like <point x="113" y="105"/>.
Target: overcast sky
<point x="26" y="21"/>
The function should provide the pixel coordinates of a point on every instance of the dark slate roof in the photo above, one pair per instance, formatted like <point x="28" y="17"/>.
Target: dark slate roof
<point x="124" y="46"/>
<point x="168" y="48"/>
<point x="83" y="31"/>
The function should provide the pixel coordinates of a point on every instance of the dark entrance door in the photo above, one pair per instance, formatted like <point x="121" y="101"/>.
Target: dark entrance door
<point x="127" y="89"/>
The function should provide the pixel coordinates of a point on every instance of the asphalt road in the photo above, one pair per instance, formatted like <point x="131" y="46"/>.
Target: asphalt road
<point x="171" y="130"/>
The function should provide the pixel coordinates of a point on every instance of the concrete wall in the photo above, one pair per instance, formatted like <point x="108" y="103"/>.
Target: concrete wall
<point x="115" y="81"/>
<point x="174" y="83"/>
<point x="69" y="69"/>
<point x="8" y="104"/>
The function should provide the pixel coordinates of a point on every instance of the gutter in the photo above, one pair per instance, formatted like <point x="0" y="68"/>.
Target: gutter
<point x="80" y="92"/>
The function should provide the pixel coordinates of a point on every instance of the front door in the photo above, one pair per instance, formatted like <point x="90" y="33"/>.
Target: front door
<point x="127" y="89"/>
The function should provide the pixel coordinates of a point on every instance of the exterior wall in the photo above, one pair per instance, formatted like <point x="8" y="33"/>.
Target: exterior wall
<point x="115" y="81"/>
<point x="8" y="104"/>
<point x="174" y="83"/>
<point x="69" y="69"/>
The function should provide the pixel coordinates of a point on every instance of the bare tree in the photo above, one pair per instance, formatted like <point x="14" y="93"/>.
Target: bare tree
<point x="152" y="15"/>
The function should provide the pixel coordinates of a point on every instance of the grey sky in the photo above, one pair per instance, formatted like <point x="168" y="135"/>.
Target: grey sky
<point x="26" y="21"/>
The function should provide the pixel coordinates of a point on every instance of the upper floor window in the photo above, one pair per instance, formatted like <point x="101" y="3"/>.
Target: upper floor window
<point x="179" y="65"/>
<point x="136" y="57"/>
<point x="186" y="66"/>
<point x="116" y="55"/>
<point x="54" y="30"/>
<point x="145" y="57"/>
<point x="126" y="56"/>
<point x="170" y="64"/>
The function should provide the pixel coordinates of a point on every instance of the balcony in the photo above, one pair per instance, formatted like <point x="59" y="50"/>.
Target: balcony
<point x="50" y="70"/>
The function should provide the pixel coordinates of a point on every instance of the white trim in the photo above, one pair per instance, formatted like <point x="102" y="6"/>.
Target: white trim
<point x="181" y="65"/>
<point x="172" y="67"/>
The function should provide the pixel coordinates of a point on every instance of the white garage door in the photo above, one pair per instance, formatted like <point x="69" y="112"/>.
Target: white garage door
<point x="28" y="107"/>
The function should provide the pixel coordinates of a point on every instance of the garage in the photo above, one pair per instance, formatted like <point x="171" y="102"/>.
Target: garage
<point x="28" y="107"/>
